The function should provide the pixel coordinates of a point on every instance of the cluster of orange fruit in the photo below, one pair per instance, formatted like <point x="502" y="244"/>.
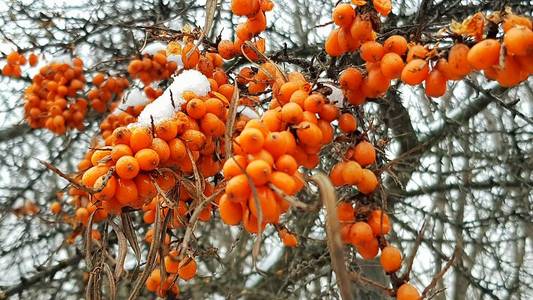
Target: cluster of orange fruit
<point x="365" y="230"/>
<point x="256" y="23"/>
<point x="353" y="171"/>
<point x="152" y="68"/>
<point x="52" y="100"/>
<point x="15" y="60"/>
<point x="106" y="91"/>
<point x="509" y="62"/>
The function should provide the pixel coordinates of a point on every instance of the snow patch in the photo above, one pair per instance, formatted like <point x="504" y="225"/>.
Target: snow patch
<point x="154" y="47"/>
<point x="247" y="112"/>
<point x="171" y="100"/>
<point x="132" y="97"/>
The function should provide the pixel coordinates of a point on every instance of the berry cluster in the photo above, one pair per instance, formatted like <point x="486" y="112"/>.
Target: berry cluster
<point x="15" y="60"/>
<point x="52" y="100"/>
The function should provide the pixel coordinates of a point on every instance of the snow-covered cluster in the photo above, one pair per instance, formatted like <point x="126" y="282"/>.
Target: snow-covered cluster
<point x="132" y="97"/>
<point x="156" y="47"/>
<point x="171" y="100"/>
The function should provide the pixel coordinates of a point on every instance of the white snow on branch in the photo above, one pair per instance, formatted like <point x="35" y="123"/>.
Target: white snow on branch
<point x="171" y="100"/>
<point x="154" y="48"/>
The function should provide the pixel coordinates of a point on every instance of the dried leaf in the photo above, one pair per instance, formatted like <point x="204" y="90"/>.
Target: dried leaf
<point x="122" y="249"/>
<point x="210" y="9"/>
<point x="333" y="229"/>
<point x="111" y="282"/>
<point x="473" y="26"/>
<point x="232" y="114"/>
<point x="88" y="241"/>
<point x="150" y="260"/>
<point x="129" y="232"/>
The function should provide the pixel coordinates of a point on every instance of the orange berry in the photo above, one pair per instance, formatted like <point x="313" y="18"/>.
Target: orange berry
<point x="230" y="212"/>
<point x="484" y="54"/>
<point x="126" y="192"/>
<point x="335" y="174"/>
<point x="148" y="159"/>
<point x="286" y="163"/>
<point x="436" y="84"/>
<point x="106" y="192"/>
<point x="396" y="44"/>
<point x="171" y="264"/>
<point x="332" y="45"/>
<point x="196" y="108"/>
<point x="237" y="188"/>
<point x="269" y="207"/>
<point x="141" y="138"/>
<point x="416" y="71"/>
<point x="309" y="133"/>
<point x="284" y="182"/>
<point x="120" y="150"/>
<point x="391" y="259"/>
<point x="379" y="222"/>
<point x="364" y="153"/>
<point x="259" y="171"/>
<point x="343" y="15"/>
<point x="314" y="102"/>
<point x="368" y="182"/>
<point x="407" y="292"/>
<point x="360" y="233"/>
<point x="145" y="187"/>
<point x="56" y="208"/>
<point x="368" y="250"/>
<point x="372" y="51"/>
<point x="519" y="41"/>
<point x="127" y="167"/>
<point x="187" y="268"/>
<point x="194" y="139"/>
<point x="347" y="123"/>
<point x="458" y="59"/>
<point x="162" y="149"/>
<point x="350" y="79"/>
<point x="276" y="144"/>
<point x="288" y="239"/>
<point x="177" y="149"/>
<point x="345" y="212"/>
<point x="245" y="7"/>
<point x="251" y="140"/>
<point x="351" y="173"/>
<point x="392" y="65"/>
<point x="291" y="113"/>
<point x="167" y="130"/>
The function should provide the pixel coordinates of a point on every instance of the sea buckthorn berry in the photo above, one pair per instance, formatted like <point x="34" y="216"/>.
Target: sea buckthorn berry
<point x="347" y="123"/>
<point x="379" y="222"/>
<point x="407" y="292"/>
<point x="259" y="171"/>
<point x="343" y="15"/>
<point x="360" y="233"/>
<point x="368" y="182"/>
<point x="484" y="54"/>
<point x="127" y="167"/>
<point x="352" y="173"/>
<point x="372" y="51"/>
<point x="396" y="44"/>
<point x="148" y="159"/>
<point x="391" y="259"/>
<point x="251" y="140"/>
<point x="350" y="79"/>
<point x="415" y="72"/>
<point x="364" y="153"/>
<point x="368" y="250"/>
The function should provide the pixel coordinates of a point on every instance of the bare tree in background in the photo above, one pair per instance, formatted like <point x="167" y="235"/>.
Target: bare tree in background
<point x="461" y="165"/>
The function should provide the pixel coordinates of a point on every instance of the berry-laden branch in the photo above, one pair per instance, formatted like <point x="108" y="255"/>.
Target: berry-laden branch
<point x="185" y="135"/>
